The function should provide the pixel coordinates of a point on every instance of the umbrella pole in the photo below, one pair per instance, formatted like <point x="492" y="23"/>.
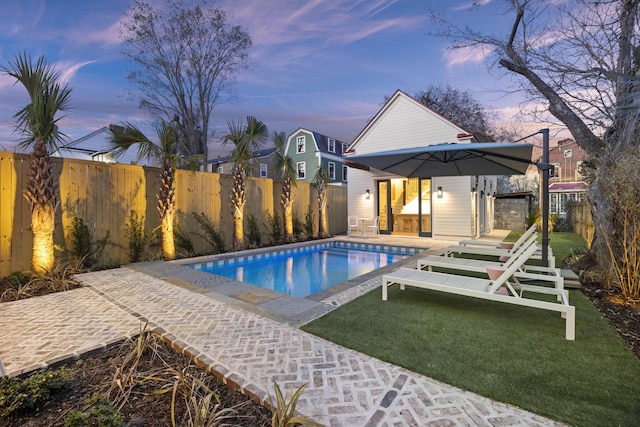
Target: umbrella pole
<point x="545" y="198"/>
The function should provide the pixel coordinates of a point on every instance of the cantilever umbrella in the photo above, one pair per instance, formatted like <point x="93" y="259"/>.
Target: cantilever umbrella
<point x="451" y="159"/>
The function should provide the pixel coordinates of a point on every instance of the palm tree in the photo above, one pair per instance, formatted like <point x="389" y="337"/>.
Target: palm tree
<point x="37" y="122"/>
<point x="320" y="180"/>
<point x="246" y="139"/>
<point x="284" y="165"/>
<point x="167" y="150"/>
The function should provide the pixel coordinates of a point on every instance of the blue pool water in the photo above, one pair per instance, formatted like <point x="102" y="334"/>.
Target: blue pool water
<point x="307" y="270"/>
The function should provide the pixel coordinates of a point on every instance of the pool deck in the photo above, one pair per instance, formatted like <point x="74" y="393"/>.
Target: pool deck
<point x="248" y="338"/>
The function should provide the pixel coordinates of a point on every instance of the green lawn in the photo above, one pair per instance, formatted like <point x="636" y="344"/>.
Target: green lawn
<point x="516" y="355"/>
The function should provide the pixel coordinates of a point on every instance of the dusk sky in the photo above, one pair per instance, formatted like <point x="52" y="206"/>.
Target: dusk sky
<point x="325" y="65"/>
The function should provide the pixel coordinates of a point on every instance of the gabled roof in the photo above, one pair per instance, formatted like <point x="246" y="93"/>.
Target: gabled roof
<point x="96" y="142"/>
<point x="321" y="142"/>
<point x="462" y="134"/>
<point x="260" y="154"/>
<point x="100" y="142"/>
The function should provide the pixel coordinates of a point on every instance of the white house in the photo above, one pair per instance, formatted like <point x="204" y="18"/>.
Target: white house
<point x="439" y="207"/>
<point x="98" y="146"/>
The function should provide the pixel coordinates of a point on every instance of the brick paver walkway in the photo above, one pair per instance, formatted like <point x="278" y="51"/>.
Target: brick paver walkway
<point x="248" y="351"/>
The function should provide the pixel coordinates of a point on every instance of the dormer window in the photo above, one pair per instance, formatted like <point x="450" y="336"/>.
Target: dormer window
<point x="344" y="148"/>
<point x="332" y="145"/>
<point x="300" y="145"/>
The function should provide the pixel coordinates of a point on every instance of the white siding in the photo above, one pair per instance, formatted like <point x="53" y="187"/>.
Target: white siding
<point x="404" y="124"/>
<point x="359" y="182"/>
<point x="451" y="214"/>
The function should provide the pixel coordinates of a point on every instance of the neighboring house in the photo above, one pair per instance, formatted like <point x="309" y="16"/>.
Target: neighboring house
<point x="264" y="164"/>
<point x="98" y="146"/>
<point x="566" y="184"/>
<point x="309" y="150"/>
<point x="444" y="207"/>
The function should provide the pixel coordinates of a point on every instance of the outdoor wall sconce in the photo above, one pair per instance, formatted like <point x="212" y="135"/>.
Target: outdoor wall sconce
<point x="367" y="194"/>
<point x="439" y="193"/>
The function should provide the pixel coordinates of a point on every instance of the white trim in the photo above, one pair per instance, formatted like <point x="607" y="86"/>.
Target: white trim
<point x="331" y="175"/>
<point x="331" y="145"/>
<point x="263" y="170"/>
<point x="344" y="173"/>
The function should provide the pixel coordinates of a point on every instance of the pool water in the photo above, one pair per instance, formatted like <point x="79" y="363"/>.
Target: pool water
<point x="307" y="271"/>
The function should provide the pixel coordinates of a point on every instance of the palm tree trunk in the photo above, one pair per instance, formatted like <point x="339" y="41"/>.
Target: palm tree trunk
<point x="323" y="223"/>
<point x="41" y="194"/>
<point x="287" y="210"/>
<point x="167" y="210"/>
<point x="238" y="199"/>
<point x="42" y="225"/>
<point x="168" y="243"/>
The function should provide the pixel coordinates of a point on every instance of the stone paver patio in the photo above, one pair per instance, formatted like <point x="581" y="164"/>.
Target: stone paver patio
<point x="248" y="348"/>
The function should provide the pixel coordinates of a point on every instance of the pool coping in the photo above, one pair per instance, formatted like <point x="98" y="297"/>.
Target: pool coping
<point x="281" y="307"/>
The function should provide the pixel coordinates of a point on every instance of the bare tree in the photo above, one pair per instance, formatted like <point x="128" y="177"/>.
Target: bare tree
<point x="580" y="58"/>
<point x="186" y="59"/>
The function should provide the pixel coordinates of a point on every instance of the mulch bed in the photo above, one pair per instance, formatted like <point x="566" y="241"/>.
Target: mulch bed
<point x="143" y="407"/>
<point x="623" y="316"/>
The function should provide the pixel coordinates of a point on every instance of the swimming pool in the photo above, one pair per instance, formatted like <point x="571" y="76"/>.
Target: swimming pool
<point x="306" y="270"/>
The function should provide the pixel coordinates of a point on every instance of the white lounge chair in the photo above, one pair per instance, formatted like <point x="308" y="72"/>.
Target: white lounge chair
<point x="451" y="251"/>
<point x="519" y="259"/>
<point x="494" y="244"/>
<point x="485" y="289"/>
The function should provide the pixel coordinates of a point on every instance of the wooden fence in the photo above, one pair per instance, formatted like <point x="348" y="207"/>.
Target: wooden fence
<point x="582" y="221"/>
<point x="103" y="195"/>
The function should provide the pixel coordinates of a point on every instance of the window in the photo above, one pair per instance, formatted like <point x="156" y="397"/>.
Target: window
<point x="302" y="170"/>
<point x="568" y="152"/>
<point x="263" y="170"/>
<point x="220" y="169"/>
<point x="300" y="145"/>
<point x="332" y="170"/>
<point x="332" y="145"/>
<point x="556" y="171"/>
<point x="578" y="170"/>
<point x="344" y="172"/>
<point x="344" y="147"/>
<point x="553" y="204"/>
<point x="564" y="199"/>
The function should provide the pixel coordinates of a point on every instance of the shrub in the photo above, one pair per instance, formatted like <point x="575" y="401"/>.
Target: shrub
<point x="100" y="413"/>
<point x="182" y="239"/>
<point x="254" y="236"/>
<point x="298" y="228"/>
<point x="210" y="233"/>
<point x="138" y="236"/>
<point x="274" y="228"/>
<point x="308" y="223"/>
<point x="84" y="247"/>
<point x="18" y="395"/>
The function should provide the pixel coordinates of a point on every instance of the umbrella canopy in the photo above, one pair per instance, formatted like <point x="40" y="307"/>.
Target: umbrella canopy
<point x="451" y="159"/>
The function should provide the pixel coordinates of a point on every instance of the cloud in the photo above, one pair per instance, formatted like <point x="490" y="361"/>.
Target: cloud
<point x="464" y="55"/>
<point x="68" y="71"/>
<point x="324" y="21"/>
<point x="471" y="4"/>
